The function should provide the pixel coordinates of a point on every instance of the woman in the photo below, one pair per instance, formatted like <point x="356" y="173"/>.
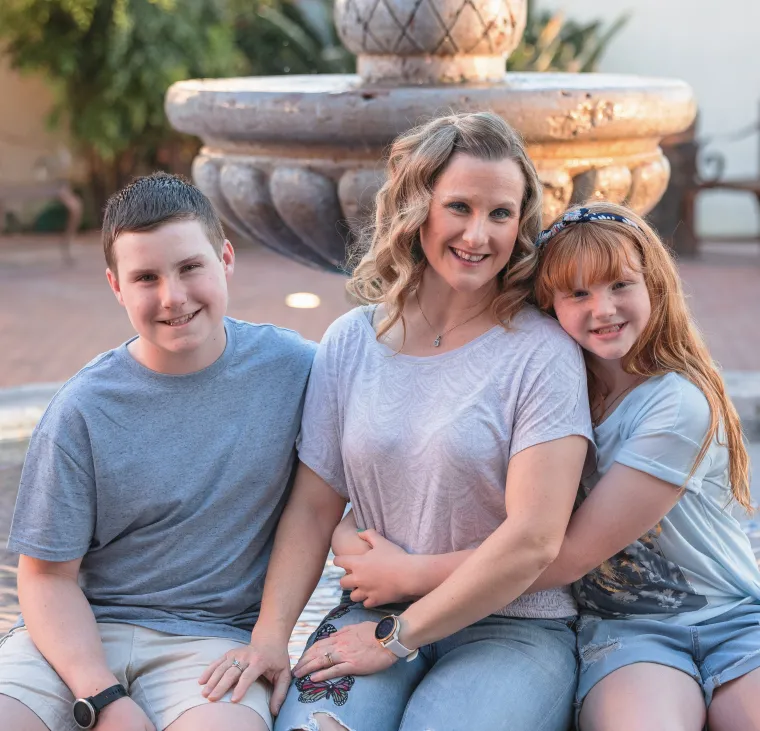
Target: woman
<point x="438" y="409"/>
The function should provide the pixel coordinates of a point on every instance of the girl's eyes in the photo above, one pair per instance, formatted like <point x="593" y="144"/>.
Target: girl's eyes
<point x="578" y="294"/>
<point x="500" y="214"/>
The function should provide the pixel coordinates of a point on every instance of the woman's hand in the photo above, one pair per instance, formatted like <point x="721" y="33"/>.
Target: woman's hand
<point x="352" y="650"/>
<point x="380" y="576"/>
<point x="264" y="657"/>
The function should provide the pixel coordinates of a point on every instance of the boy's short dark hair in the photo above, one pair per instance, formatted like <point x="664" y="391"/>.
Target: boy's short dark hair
<point x="153" y="200"/>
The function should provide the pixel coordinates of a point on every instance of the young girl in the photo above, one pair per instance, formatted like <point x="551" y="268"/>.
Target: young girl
<point x="670" y="630"/>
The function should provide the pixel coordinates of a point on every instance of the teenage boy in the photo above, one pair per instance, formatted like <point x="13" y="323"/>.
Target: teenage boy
<point x="151" y="491"/>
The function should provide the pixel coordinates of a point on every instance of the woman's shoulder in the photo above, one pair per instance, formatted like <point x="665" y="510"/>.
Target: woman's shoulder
<point x="348" y="324"/>
<point x="541" y="336"/>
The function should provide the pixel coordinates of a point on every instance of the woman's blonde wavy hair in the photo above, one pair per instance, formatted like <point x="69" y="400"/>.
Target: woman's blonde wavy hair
<point x="391" y="269"/>
<point x="670" y="341"/>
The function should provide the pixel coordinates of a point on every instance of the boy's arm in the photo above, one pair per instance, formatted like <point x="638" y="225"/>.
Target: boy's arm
<point x="298" y="557"/>
<point x="61" y="624"/>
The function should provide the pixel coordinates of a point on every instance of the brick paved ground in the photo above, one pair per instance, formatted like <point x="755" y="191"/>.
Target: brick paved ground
<point x="53" y="319"/>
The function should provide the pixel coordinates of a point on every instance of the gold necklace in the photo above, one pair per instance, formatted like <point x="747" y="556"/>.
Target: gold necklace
<point x="624" y="392"/>
<point x="437" y="341"/>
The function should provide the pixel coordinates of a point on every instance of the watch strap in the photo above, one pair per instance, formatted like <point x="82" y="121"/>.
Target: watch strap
<point x="109" y="695"/>
<point x="400" y="650"/>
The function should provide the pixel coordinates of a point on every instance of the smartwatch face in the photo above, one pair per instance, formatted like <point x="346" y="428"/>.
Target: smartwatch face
<point x="385" y="628"/>
<point x="83" y="714"/>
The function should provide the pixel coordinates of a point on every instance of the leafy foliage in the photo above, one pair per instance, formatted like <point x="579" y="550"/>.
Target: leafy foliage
<point x="552" y="43"/>
<point x="111" y="61"/>
<point x="289" y="37"/>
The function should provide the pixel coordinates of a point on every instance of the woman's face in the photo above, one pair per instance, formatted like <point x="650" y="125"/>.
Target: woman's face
<point x="605" y="318"/>
<point x="471" y="229"/>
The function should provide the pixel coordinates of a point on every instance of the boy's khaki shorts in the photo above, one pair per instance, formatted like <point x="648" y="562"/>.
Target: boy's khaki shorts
<point x="159" y="670"/>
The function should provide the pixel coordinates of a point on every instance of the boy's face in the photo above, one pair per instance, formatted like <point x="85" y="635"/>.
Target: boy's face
<point x="174" y="288"/>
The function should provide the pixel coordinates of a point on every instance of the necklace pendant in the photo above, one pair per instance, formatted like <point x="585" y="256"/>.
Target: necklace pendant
<point x="437" y="342"/>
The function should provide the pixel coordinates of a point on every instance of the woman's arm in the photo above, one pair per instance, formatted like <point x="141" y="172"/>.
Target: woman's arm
<point x="620" y="509"/>
<point x="298" y="557"/>
<point x="542" y="482"/>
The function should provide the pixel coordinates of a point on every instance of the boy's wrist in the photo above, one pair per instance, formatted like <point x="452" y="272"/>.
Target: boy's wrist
<point x="92" y="681"/>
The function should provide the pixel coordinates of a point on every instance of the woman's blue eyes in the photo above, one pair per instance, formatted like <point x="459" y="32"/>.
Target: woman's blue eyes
<point x="498" y="213"/>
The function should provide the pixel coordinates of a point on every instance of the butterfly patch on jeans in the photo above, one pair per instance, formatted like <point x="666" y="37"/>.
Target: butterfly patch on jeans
<point x="336" y="690"/>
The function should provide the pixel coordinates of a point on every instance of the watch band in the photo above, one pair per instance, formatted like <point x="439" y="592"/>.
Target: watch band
<point x="390" y="641"/>
<point x="87" y="710"/>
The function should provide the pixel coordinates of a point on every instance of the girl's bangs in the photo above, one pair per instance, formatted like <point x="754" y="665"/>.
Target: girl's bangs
<point x="596" y="252"/>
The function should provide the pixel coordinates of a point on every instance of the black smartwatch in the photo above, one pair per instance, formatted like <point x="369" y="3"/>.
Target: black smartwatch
<point x="87" y="710"/>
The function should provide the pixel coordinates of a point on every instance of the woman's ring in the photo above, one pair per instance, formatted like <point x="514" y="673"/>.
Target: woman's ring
<point x="236" y="664"/>
<point x="329" y="659"/>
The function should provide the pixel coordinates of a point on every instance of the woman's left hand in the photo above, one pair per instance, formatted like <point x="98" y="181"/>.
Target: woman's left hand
<point x="352" y="650"/>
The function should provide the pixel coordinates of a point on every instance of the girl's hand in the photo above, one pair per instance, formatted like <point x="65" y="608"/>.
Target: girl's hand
<point x="379" y="576"/>
<point x="345" y="538"/>
<point x="352" y="650"/>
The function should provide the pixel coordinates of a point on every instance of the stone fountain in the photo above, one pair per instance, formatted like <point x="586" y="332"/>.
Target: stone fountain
<point x="293" y="162"/>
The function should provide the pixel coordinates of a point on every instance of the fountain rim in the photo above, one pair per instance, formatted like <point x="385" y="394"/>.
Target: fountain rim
<point x="345" y="110"/>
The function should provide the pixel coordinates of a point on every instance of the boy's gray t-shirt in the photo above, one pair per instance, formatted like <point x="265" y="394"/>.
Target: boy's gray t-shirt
<point x="421" y="445"/>
<point x="170" y="487"/>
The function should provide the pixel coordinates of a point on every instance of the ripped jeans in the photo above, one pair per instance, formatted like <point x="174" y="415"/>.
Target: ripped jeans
<point x="712" y="652"/>
<point x="499" y="674"/>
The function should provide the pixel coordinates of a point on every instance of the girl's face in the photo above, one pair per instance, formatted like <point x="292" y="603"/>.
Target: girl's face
<point x="471" y="229"/>
<point x="605" y="318"/>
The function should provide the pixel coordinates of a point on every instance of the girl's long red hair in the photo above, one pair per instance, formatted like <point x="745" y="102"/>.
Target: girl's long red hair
<point x="670" y="341"/>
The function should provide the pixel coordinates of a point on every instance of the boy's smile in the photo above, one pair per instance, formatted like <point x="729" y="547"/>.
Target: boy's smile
<point x="174" y="287"/>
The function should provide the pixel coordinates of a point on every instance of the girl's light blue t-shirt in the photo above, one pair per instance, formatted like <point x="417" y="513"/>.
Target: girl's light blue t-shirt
<point x="696" y="563"/>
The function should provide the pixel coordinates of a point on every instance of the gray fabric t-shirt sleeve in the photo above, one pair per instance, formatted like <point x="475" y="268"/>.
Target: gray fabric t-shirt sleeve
<point x="666" y="438"/>
<point x="553" y="399"/>
<point x="319" y="444"/>
<point x="54" y="519"/>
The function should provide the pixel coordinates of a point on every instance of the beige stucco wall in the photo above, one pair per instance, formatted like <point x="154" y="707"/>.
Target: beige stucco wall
<point x="27" y="146"/>
<point x="716" y="49"/>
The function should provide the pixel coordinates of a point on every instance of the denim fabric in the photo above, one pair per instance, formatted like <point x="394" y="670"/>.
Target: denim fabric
<point x="499" y="674"/>
<point x="712" y="652"/>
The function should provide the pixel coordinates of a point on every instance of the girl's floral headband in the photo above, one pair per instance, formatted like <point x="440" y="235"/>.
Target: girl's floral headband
<point x="580" y="215"/>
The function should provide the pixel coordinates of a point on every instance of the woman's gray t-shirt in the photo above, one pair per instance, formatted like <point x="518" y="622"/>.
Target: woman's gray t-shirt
<point x="421" y="445"/>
